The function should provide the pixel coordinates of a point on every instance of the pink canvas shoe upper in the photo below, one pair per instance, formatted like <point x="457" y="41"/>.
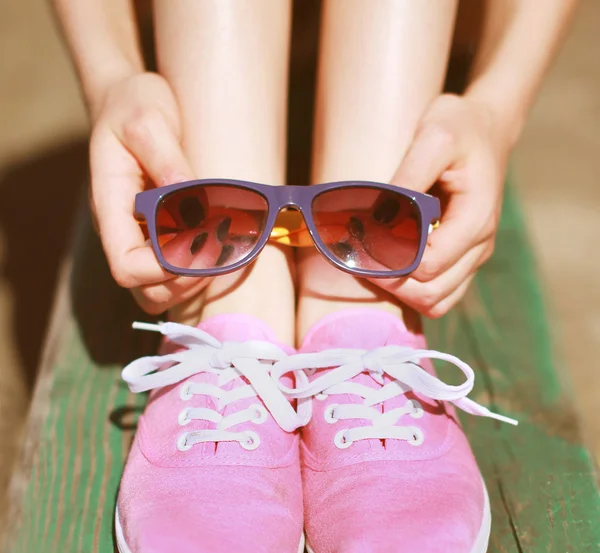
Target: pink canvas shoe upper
<point x="386" y="466"/>
<point x="214" y="466"/>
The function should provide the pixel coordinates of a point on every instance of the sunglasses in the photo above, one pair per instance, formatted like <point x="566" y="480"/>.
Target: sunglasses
<point x="216" y="226"/>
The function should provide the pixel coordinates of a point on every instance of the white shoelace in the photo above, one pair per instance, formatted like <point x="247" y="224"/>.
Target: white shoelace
<point x="229" y="361"/>
<point x="401" y="364"/>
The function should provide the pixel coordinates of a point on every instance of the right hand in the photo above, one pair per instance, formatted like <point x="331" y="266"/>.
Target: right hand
<point x="136" y="138"/>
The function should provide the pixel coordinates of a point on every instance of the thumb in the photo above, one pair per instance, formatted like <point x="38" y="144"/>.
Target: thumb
<point x="430" y="154"/>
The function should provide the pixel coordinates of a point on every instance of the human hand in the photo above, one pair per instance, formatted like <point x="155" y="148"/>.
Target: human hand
<point x="460" y="146"/>
<point x="135" y="141"/>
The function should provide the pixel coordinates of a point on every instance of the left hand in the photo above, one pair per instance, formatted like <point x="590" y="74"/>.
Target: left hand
<point x="460" y="146"/>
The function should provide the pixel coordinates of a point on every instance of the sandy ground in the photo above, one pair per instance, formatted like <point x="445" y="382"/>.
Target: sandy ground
<point x="43" y="164"/>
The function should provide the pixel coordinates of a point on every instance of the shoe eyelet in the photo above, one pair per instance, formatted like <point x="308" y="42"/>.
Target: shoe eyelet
<point x="321" y="396"/>
<point x="183" y="419"/>
<point x="341" y="441"/>
<point x="418" y="437"/>
<point x="252" y="440"/>
<point x="328" y="414"/>
<point x="418" y="410"/>
<point x="184" y="392"/>
<point x="260" y="414"/>
<point x="182" y="444"/>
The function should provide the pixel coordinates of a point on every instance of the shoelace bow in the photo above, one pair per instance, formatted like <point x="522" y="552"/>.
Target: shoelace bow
<point x="228" y="360"/>
<point x="263" y="364"/>
<point x="401" y="364"/>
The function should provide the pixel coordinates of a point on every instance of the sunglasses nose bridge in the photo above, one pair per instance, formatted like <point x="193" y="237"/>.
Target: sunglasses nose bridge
<point x="288" y="196"/>
<point x="290" y="225"/>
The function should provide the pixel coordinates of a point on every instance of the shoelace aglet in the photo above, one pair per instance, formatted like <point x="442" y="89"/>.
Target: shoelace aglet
<point x="137" y="325"/>
<point x="474" y="408"/>
<point x="502" y="418"/>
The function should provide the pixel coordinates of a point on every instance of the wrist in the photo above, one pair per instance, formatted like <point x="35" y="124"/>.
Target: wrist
<point x="97" y="87"/>
<point x="506" y="115"/>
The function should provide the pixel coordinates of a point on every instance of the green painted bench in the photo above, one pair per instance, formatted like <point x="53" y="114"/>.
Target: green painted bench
<point x="541" y="478"/>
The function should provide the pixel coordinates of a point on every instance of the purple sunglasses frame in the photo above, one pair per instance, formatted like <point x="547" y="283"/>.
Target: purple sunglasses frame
<point x="278" y="198"/>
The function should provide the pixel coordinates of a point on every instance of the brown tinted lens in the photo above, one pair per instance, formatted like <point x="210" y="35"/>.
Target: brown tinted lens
<point x="368" y="228"/>
<point x="209" y="226"/>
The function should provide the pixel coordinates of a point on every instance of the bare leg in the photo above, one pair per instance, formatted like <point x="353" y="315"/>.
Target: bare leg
<point x="380" y="65"/>
<point x="226" y="61"/>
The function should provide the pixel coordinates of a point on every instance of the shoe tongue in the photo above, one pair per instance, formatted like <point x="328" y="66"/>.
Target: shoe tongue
<point x="238" y="327"/>
<point x="358" y="328"/>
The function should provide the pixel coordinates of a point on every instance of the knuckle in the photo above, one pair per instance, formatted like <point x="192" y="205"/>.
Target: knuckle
<point x="121" y="277"/>
<point x="489" y="227"/>
<point x="439" y="134"/>
<point x="437" y="311"/>
<point x="121" y="274"/>
<point x="141" y="126"/>
<point x="429" y="269"/>
<point x="154" y="295"/>
<point x="151" y="300"/>
<point x="151" y="308"/>
<point x="489" y="251"/>
<point x="429" y="297"/>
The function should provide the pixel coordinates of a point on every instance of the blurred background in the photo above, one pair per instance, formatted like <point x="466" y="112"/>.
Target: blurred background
<point x="43" y="171"/>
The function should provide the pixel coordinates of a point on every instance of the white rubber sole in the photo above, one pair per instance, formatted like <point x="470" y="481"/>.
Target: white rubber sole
<point x="483" y="537"/>
<point x="121" y="545"/>
<point x="123" y="548"/>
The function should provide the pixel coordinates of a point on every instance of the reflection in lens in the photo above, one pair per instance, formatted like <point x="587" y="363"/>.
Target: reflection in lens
<point x="198" y="243"/>
<point x="345" y="252"/>
<point x="367" y="228"/>
<point x="356" y="228"/>
<point x="209" y="226"/>
<point x="191" y="211"/>
<point x="226" y="252"/>
<point x="223" y="229"/>
<point x="386" y="209"/>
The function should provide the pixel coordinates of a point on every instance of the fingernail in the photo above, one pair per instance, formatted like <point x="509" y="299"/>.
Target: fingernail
<point x="191" y="211"/>
<point x="386" y="210"/>
<point x="198" y="242"/>
<point x="223" y="229"/>
<point x="226" y="252"/>
<point x="356" y="228"/>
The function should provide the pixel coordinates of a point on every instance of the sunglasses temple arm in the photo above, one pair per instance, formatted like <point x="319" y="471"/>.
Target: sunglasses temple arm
<point x="437" y="215"/>
<point x="433" y="226"/>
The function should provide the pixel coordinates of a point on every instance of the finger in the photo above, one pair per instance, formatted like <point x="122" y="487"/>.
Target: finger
<point x="157" y="298"/>
<point x="156" y="146"/>
<point x="450" y="301"/>
<point x="424" y="296"/>
<point x="93" y="215"/>
<point x="470" y="219"/>
<point x="432" y="151"/>
<point x="116" y="178"/>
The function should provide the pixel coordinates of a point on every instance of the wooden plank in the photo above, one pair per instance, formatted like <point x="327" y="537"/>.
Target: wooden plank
<point x="83" y="416"/>
<point x="541" y="479"/>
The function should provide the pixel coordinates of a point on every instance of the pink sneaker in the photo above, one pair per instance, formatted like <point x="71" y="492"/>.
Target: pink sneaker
<point x="386" y="467"/>
<point x="214" y="466"/>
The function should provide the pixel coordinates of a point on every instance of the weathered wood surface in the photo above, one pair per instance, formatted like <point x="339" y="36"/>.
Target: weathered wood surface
<point x="83" y="416"/>
<point x="541" y="479"/>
